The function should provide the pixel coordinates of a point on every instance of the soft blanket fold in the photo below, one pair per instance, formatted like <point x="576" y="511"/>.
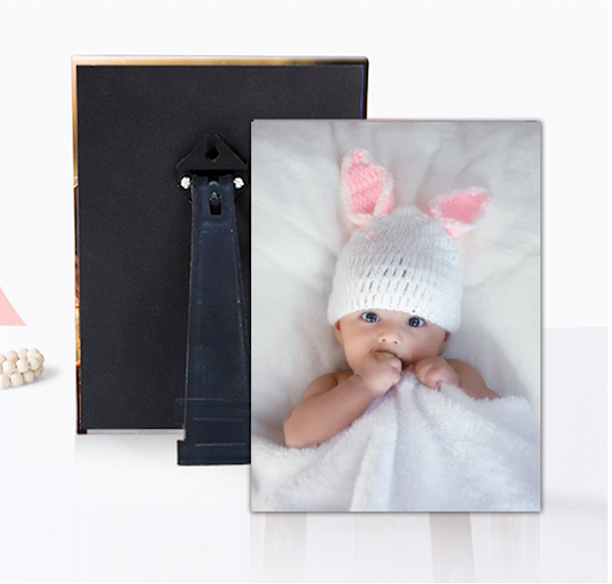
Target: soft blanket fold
<point x="414" y="449"/>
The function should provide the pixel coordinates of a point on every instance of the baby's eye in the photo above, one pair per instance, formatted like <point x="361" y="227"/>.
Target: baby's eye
<point x="370" y="317"/>
<point x="415" y="321"/>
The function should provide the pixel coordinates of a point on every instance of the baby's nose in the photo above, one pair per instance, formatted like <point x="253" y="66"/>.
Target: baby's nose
<point x="389" y="335"/>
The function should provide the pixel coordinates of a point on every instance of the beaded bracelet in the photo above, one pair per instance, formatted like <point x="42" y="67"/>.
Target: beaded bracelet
<point x="19" y="367"/>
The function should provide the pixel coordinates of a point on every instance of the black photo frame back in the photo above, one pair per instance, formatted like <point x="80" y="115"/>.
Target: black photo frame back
<point x="134" y="120"/>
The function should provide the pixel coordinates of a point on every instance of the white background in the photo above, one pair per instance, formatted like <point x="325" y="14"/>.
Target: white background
<point x="95" y="508"/>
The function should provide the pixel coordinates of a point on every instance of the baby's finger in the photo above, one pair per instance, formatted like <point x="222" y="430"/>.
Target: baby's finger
<point x="390" y="358"/>
<point x="396" y="364"/>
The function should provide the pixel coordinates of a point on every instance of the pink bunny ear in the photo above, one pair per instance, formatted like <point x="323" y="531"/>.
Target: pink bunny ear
<point x="366" y="187"/>
<point x="460" y="211"/>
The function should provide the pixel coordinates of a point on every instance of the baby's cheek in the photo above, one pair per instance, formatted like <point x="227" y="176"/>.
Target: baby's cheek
<point x="353" y="358"/>
<point x="424" y="350"/>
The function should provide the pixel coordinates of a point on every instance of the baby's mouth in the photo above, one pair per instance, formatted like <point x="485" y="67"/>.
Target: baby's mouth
<point x="405" y="363"/>
<point x="385" y="351"/>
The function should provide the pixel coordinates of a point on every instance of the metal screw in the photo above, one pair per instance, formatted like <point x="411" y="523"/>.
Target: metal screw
<point x="238" y="182"/>
<point x="186" y="182"/>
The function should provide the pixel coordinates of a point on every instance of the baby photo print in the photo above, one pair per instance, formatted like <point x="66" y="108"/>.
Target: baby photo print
<point x="395" y="316"/>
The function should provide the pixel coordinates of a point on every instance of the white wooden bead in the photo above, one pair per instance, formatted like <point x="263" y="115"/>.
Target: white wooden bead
<point x="38" y="371"/>
<point x="34" y="363"/>
<point x="16" y="379"/>
<point x="8" y="367"/>
<point x="2" y="358"/>
<point x="22" y="353"/>
<point x="22" y="365"/>
<point x="34" y="354"/>
<point x="12" y="355"/>
<point x="28" y="376"/>
<point x="5" y="381"/>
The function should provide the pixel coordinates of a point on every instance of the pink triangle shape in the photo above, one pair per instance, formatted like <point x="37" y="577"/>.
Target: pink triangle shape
<point x="8" y="315"/>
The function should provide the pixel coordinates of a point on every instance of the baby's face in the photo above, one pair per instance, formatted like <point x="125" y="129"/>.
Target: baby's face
<point x="408" y="337"/>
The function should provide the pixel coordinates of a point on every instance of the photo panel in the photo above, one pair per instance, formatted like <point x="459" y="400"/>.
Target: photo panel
<point x="464" y="443"/>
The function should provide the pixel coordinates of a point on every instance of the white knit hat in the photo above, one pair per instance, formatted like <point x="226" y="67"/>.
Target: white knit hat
<point x="405" y="260"/>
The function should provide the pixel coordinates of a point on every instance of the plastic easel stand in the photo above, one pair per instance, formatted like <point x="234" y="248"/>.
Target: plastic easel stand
<point x="217" y="394"/>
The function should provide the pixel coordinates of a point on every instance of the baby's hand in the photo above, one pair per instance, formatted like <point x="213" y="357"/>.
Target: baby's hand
<point x="434" y="371"/>
<point x="380" y="372"/>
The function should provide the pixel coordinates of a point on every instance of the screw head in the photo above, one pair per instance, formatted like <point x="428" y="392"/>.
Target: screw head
<point x="186" y="182"/>
<point x="238" y="182"/>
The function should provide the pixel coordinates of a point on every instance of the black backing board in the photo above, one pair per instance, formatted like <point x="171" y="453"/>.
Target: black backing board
<point x="134" y="122"/>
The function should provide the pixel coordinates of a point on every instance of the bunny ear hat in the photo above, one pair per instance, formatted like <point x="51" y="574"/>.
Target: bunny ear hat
<point x="403" y="259"/>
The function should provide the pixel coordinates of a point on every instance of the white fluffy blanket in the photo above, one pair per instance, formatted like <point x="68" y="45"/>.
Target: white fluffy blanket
<point x="414" y="449"/>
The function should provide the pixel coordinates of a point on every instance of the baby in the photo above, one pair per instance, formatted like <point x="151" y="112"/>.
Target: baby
<point x="395" y="300"/>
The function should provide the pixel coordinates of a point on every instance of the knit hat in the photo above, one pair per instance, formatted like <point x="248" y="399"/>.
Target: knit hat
<point x="403" y="260"/>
